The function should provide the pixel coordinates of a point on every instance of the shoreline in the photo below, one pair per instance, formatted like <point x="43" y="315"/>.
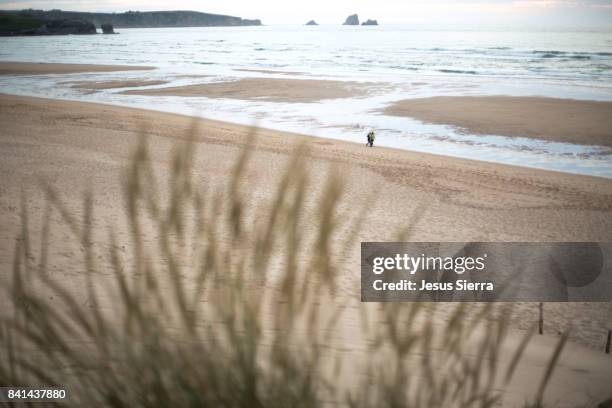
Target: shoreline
<point x="324" y="140"/>
<point x="567" y="141"/>
<point x="271" y="132"/>
<point x="305" y="137"/>
<point x="353" y="152"/>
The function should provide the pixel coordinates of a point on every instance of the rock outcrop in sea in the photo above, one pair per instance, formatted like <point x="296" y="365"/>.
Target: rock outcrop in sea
<point x="370" y="23"/>
<point x="107" y="28"/>
<point x="311" y="23"/>
<point x="352" y="20"/>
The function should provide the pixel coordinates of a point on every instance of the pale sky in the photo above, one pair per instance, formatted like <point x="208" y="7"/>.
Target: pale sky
<point x="538" y="13"/>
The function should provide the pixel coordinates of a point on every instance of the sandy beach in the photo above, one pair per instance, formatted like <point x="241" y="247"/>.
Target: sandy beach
<point x="559" y="120"/>
<point x="31" y="68"/>
<point x="76" y="147"/>
<point x="269" y="89"/>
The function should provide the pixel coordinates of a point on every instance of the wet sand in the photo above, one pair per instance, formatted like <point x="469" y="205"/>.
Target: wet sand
<point x="559" y="120"/>
<point x="269" y="71"/>
<point x="32" y="68"/>
<point x="269" y="89"/>
<point x="101" y="85"/>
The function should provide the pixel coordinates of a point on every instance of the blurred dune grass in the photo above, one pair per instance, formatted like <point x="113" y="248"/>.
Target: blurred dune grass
<point x="223" y="304"/>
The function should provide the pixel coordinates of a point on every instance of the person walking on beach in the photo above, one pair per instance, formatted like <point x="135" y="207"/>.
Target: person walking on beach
<point x="371" y="137"/>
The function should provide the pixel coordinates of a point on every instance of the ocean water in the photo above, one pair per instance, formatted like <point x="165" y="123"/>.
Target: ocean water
<point x="408" y="62"/>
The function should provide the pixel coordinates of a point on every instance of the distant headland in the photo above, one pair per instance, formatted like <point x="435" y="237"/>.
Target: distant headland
<point x="41" y="22"/>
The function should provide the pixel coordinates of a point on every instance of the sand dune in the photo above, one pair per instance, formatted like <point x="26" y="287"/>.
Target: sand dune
<point x="560" y="120"/>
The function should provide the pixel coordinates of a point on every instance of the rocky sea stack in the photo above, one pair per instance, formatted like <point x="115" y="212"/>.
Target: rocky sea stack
<point x="352" y="20"/>
<point x="107" y="28"/>
<point x="370" y="23"/>
<point x="311" y="23"/>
